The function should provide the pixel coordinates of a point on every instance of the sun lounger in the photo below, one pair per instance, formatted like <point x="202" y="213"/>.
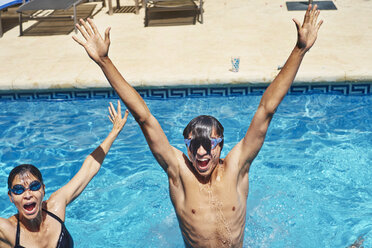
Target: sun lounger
<point x="154" y="7"/>
<point x="111" y="9"/>
<point x="4" y="4"/>
<point x="7" y="3"/>
<point x="40" y="5"/>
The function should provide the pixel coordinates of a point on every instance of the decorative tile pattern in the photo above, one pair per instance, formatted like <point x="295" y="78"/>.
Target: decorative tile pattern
<point x="218" y="91"/>
<point x="319" y="88"/>
<point x="361" y="89"/>
<point x="239" y="91"/>
<point x="192" y="91"/>
<point x="198" y="92"/>
<point x="299" y="89"/>
<point x="257" y="89"/>
<point x="178" y="92"/>
<point x="343" y="89"/>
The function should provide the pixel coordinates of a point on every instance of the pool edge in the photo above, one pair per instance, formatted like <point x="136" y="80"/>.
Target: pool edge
<point x="179" y="91"/>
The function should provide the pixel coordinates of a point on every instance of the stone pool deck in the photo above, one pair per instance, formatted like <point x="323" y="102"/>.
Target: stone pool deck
<point x="260" y="32"/>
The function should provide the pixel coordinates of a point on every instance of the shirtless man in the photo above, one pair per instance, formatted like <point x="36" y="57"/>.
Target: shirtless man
<point x="209" y="194"/>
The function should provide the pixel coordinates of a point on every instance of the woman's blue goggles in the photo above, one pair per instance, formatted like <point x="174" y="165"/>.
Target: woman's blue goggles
<point x="214" y="142"/>
<point x="19" y="189"/>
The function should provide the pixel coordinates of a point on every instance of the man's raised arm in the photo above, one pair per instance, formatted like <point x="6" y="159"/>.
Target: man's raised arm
<point x="248" y="148"/>
<point x="97" y="49"/>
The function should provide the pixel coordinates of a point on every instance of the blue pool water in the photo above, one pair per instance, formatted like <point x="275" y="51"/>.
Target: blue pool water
<point x="310" y="185"/>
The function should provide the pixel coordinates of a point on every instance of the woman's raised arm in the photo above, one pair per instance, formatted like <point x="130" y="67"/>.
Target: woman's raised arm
<point x="65" y="195"/>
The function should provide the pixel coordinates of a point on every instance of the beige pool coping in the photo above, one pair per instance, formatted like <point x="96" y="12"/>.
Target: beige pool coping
<point x="260" y="32"/>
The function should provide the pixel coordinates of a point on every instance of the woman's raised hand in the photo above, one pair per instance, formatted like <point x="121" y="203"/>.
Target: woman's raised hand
<point x="115" y="117"/>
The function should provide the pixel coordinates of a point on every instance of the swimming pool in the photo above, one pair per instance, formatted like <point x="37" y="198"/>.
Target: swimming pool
<point x="309" y="185"/>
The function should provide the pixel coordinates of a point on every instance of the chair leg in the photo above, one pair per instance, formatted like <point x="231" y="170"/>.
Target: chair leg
<point x="110" y="7"/>
<point x="1" y="26"/>
<point x="75" y="19"/>
<point x="201" y="10"/>
<point x="20" y="24"/>
<point x="146" y="16"/>
<point x="137" y="6"/>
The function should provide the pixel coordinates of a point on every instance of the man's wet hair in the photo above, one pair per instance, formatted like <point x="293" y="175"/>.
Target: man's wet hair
<point x="22" y="169"/>
<point x="201" y="128"/>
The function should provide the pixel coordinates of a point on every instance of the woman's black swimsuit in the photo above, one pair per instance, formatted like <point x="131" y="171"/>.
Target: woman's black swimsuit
<point x="64" y="240"/>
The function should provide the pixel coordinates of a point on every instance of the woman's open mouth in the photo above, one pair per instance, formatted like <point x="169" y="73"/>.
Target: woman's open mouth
<point x="202" y="164"/>
<point x="29" y="207"/>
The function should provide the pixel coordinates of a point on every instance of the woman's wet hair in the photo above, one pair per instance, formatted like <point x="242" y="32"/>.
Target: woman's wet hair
<point x="22" y="169"/>
<point x="201" y="128"/>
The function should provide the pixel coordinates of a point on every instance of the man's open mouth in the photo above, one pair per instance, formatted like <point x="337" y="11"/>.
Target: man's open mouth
<point x="202" y="164"/>
<point x="29" y="207"/>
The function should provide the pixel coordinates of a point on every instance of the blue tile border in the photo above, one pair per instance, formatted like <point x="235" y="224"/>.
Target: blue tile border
<point x="359" y="88"/>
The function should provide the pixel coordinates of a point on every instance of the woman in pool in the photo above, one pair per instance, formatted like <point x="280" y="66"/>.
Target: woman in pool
<point x="41" y="223"/>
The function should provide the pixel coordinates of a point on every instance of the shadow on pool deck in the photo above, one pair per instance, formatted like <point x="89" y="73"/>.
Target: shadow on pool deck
<point x="59" y="26"/>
